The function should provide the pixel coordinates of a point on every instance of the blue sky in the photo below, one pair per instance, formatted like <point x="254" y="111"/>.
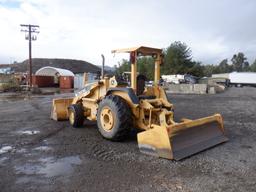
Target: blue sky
<point x="84" y="29"/>
<point x="10" y="4"/>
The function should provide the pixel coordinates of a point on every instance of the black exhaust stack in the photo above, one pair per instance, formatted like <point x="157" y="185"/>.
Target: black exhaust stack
<point x="103" y="66"/>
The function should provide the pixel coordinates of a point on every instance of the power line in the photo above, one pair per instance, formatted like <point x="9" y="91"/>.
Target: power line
<point x="30" y="35"/>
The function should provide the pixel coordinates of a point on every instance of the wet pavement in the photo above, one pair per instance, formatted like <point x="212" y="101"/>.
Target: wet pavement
<point x="39" y="154"/>
<point x="49" y="166"/>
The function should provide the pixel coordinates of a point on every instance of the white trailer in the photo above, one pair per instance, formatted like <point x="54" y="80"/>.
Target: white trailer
<point x="173" y="79"/>
<point x="240" y="79"/>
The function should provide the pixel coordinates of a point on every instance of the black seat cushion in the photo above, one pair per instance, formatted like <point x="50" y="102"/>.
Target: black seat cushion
<point x="146" y="97"/>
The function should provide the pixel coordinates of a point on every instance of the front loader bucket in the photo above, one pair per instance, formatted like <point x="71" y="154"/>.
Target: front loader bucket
<point x="182" y="139"/>
<point x="60" y="108"/>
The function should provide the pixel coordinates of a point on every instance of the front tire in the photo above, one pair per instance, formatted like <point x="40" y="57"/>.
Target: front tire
<point x="114" y="118"/>
<point x="76" y="115"/>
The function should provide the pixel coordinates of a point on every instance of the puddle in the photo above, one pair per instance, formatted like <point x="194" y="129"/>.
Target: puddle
<point x="23" y="180"/>
<point x="43" y="148"/>
<point x="5" y="149"/>
<point x="50" y="167"/>
<point x="21" y="150"/>
<point x="28" y="132"/>
<point x="2" y="160"/>
<point x="59" y="167"/>
<point x="28" y="169"/>
<point x="12" y="98"/>
<point x="30" y="179"/>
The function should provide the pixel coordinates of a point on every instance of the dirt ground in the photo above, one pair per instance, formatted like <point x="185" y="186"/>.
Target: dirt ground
<point x="39" y="154"/>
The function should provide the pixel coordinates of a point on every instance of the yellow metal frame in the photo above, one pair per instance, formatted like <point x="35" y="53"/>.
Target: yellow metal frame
<point x="143" y="51"/>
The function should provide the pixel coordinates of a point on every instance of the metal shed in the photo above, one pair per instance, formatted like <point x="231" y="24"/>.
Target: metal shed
<point x="51" y="71"/>
<point x="54" y="77"/>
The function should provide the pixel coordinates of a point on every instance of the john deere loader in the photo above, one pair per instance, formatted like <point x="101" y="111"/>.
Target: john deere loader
<point x="117" y="108"/>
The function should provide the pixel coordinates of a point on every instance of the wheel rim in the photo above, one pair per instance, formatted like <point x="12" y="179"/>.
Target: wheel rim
<point x="107" y="119"/>
<point x="71" y="117"/>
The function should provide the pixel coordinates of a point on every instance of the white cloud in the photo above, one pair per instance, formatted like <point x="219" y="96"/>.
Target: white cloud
<point x="84" y="29"/>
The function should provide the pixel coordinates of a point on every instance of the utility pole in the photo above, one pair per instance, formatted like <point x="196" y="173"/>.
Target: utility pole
<point x="30" y="35"/>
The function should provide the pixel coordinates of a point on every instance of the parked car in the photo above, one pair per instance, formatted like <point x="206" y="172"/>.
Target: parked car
<point x="190" y="79"/>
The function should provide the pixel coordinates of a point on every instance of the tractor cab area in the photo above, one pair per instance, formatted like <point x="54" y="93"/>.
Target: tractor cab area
<point x="138" y="81"/>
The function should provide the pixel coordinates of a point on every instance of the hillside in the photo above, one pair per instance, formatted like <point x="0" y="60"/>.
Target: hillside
<point x="76" y="66"/>
<point x="107" y="68"/>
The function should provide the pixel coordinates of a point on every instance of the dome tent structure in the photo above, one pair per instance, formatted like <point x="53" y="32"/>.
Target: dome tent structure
<point x="53" y="77"/>
<point x="51" y="71"/>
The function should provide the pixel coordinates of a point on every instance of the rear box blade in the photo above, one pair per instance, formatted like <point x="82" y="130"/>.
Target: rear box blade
<point x="195" y="139"/>
<point x="182" y="139"/>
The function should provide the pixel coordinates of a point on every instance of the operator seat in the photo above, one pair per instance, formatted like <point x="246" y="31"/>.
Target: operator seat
<point x="141" y="82"/>
<point x="121" y="81"/>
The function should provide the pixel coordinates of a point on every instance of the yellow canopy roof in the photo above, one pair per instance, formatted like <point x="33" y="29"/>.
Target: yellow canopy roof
<point x="142" y="49"/>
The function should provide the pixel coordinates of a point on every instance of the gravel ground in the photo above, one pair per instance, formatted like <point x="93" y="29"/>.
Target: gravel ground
<point x="38" y="154"/>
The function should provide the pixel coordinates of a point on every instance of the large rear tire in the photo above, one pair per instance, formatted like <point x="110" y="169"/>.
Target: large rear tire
<point x="114" y="118"/>
<point x="76" y="115"/>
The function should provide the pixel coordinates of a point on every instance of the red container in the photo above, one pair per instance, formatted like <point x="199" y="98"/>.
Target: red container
<point x="42" y="81"/>
<point x="66" y="82"/>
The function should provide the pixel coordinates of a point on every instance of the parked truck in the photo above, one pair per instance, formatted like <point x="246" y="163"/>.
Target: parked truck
<point x="239" y="79"/>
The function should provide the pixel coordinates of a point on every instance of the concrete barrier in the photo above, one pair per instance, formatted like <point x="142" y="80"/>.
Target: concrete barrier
<point x="187" y="88"/>
<point x="200" y="88"/>
<point x="211" y="90"/>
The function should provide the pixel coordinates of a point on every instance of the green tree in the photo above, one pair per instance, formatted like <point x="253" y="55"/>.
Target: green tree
<point x="239" y="62"/>
<point x="123" y="66"/>
<point x="178" y="59"/>
<point x="208" y="70"/>
<point x="246" y="66"/>
<point x="224" y="67"/>
<point x="253" y="66"/>
<point x="145" y="66"/>
<point x="197" y="69"/>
